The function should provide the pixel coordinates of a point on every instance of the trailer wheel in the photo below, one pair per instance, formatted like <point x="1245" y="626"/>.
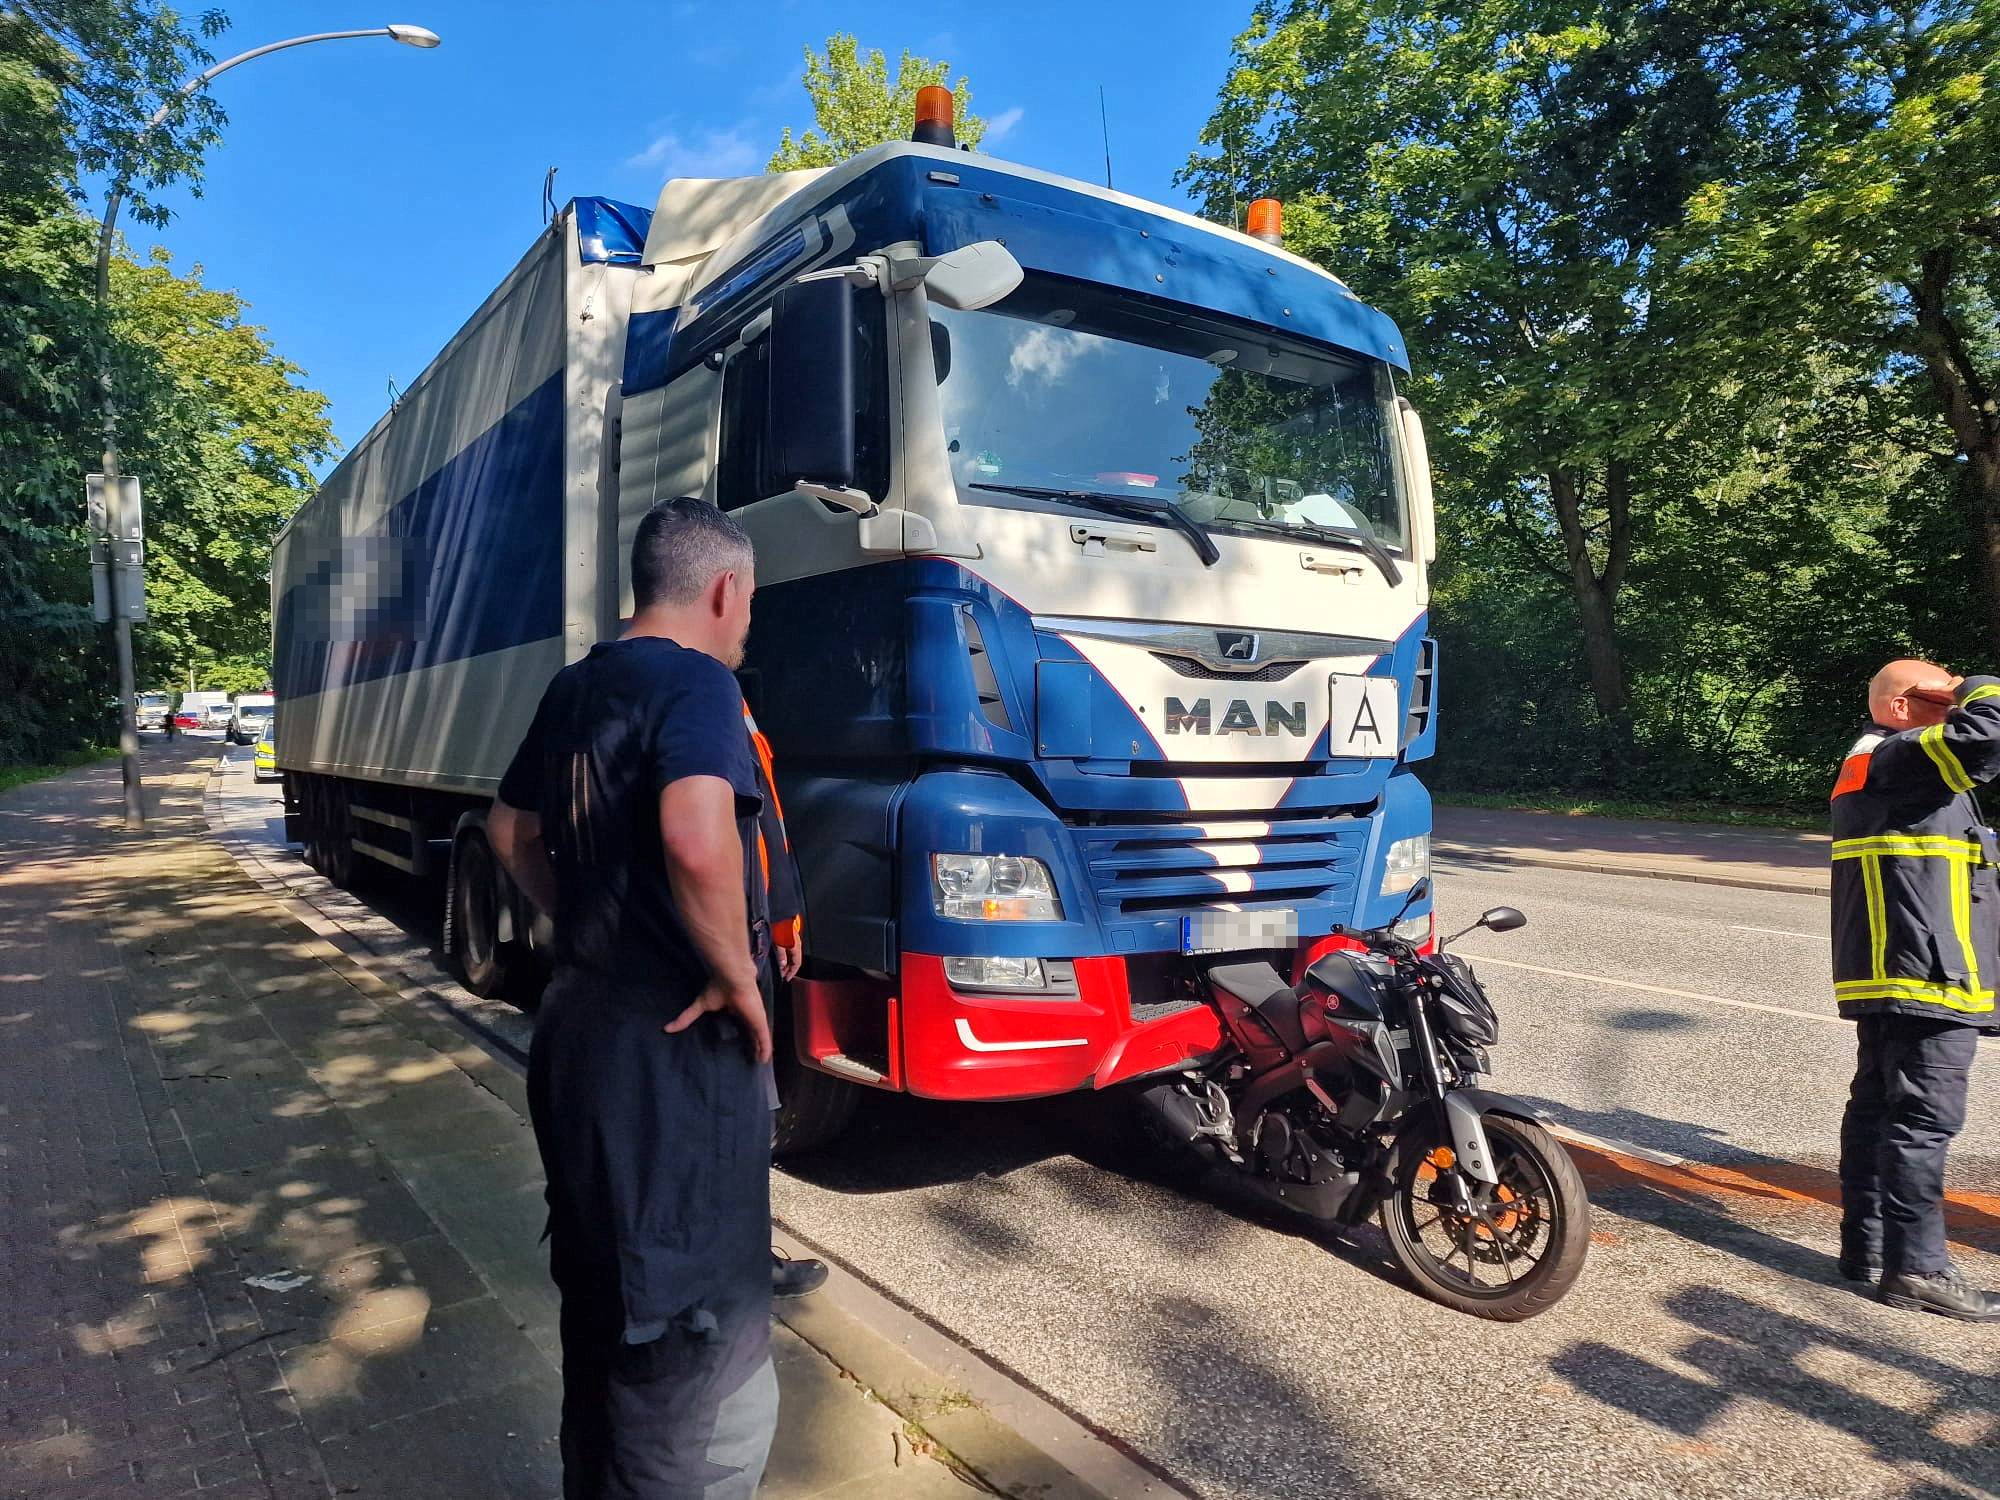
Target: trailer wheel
<point x="312" y="814"/>
<point x="337" y="834"/>
<point x="814" y="1108"/>
<point x="483" y="962"/>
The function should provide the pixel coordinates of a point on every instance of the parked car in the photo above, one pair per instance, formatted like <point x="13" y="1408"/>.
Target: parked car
<point x="264" y="762"/>
<point x="248" y="718"/>
<point x="216" y="716"/>
<point x="188" y="718"/>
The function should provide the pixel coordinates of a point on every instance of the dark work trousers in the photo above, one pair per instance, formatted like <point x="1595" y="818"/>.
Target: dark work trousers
<point x="1906" y="1103"/>
<point x="670" y="1419"/>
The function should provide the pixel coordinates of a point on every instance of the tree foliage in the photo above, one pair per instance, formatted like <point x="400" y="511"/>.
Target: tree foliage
<point x="219" y="429"/>
<point x="1662" y="541"/>
<point x="855" y="104"/>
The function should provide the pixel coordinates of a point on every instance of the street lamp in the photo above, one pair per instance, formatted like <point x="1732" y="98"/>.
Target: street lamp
<point x="124" y="579"/>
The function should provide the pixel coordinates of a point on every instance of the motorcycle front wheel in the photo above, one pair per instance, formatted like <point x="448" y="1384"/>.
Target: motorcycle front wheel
<point x="1518" y="1250"/>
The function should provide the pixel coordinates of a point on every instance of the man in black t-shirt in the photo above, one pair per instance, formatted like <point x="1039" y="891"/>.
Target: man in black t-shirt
<point x="629" y="812"/>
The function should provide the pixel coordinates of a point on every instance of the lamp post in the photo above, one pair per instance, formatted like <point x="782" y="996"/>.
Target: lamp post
<point x="124" y="579"/>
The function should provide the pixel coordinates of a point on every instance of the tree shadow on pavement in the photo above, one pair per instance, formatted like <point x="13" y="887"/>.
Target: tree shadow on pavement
<point x="1741" y="1350"/>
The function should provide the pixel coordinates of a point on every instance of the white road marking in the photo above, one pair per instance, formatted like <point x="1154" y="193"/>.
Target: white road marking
<point x="1660" y="989"/>
<point x="1811" y="937"/>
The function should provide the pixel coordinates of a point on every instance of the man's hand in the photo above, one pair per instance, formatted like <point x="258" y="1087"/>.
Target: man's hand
<point x="790" y="956"/>
<point x="743" y="1001"/>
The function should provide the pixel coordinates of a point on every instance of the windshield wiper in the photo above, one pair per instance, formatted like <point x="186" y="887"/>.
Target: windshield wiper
<point x="1356" y="541"/>
<point x="1128" y="507"/>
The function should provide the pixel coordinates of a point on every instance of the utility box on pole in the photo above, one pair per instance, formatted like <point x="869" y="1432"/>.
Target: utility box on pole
<point x="117" y="548"/>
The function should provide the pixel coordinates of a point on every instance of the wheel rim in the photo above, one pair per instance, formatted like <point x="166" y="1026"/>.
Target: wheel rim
<point x="1506" y="1240"/>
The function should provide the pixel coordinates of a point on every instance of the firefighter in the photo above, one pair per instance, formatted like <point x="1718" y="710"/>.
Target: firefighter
<point x="784" y="900"/>
<point x="1916" y="913"/>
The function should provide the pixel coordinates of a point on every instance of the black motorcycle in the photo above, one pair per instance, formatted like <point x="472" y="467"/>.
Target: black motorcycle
<point x="1358" y="1091"/>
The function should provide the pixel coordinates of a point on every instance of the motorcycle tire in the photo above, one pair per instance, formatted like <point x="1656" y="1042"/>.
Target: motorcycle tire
<point x="1539" y="1206"/>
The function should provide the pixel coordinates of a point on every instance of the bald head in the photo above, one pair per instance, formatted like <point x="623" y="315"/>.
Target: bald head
<point x="1908" y="693"/>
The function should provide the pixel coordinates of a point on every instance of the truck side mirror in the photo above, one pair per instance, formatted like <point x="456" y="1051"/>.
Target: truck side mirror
<point x="812" y="386"/>
<point x="1417" y="465"/>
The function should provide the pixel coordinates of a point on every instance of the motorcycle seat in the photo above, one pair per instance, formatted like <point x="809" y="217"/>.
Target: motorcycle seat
<point x="1264" y="990"/>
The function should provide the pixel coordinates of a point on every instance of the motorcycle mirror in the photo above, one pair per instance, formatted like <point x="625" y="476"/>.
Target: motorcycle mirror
<point x="1417" y="893"/>
<point x="1503" y="919"/>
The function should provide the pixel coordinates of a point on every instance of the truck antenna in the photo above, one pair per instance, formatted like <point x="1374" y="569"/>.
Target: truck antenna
<point x="1104" y="124"/>
<point x="548" y="195"/>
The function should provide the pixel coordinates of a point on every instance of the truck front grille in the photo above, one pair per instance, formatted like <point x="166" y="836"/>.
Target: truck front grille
<point x="1145" y="878"/>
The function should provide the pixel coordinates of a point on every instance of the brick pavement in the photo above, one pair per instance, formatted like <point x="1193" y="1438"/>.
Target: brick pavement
<point x="259" y="1234"/>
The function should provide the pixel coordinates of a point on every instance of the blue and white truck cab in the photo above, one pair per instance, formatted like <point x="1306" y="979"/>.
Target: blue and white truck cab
<point x="1092" y="544"/>
<point x="1092" y="548"/>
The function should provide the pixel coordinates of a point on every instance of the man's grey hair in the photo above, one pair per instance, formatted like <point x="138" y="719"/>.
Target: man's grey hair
<point x="680" y="547"/>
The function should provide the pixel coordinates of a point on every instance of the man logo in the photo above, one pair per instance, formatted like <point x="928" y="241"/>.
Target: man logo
<point x="1237" y="718"/>
<point x="1236" y="645"/>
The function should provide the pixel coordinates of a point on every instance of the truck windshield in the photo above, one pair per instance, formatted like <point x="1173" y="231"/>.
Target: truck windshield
<point x="1059" y="388"/>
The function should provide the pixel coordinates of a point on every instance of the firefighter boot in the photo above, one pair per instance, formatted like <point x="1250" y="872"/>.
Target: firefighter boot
<point x="1946" y="1294"/>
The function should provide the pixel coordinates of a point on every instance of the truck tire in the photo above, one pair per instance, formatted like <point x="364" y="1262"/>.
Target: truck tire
<point x="338" y="833"/>
<point x="814" y="1108"/>
<point x="312" y="817"/>
<point x="484" y="964"/>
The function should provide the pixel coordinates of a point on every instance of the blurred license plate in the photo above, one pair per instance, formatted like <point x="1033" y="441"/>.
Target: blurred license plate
<point x="1235" y="931"/>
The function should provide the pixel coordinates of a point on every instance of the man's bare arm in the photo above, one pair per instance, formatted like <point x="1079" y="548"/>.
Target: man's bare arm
<point x="704" y="854"/>
<point x="516" y="837"/>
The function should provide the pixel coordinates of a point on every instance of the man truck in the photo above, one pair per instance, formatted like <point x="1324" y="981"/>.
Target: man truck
<point x="1092" y="546"/>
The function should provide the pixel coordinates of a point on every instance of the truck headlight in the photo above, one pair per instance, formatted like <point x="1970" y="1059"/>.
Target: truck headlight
<point x="993" y="888"/>
<point x="1409" y="861"/>
<point x="1045" y="976"/>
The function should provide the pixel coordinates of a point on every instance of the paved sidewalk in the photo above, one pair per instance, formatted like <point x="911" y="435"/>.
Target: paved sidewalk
<point x="1764" y="859"/>
<point x="264" y="1234"/>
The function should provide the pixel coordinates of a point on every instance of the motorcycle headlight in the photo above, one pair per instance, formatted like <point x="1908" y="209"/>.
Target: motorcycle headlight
<point x="993" y="888"/>
<point x="1409" y="861"/>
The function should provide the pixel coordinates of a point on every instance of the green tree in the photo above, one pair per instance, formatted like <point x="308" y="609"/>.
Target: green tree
<point x="217" y="427"/>
<point x="1870" y="222"/>
<point x="855" y="105"/>
<point x="1502" y="176"/>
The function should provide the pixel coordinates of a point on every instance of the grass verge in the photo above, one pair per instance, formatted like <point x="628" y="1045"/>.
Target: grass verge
<point x="1790" y="819"/>
<point x="13" y="776"/>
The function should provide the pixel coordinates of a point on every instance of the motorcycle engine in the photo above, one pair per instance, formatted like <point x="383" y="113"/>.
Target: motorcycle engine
<point x="1294" y="1150"/>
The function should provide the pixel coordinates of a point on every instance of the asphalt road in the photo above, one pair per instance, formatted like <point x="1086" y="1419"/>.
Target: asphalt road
<point x="1709" y="1350"/>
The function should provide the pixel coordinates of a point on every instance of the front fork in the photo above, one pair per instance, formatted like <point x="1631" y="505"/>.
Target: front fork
<point x="1459" y="1110"/>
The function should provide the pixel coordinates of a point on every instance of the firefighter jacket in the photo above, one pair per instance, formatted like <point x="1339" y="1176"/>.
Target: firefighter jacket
<point x="1916" y="896"/>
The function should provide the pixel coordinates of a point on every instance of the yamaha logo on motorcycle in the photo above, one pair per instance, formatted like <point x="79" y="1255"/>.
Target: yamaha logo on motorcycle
<point x="1357" y="1092"/>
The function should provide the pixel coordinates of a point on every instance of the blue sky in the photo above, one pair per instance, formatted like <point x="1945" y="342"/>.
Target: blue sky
<point x="366" y="196"/>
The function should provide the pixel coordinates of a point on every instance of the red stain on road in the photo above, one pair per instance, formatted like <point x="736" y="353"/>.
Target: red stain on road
<point x="1971" y="1218"/>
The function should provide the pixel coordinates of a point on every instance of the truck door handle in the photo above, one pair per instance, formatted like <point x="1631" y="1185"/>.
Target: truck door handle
<point x="1097" y="538"/>
<point x="1345" y="567"/>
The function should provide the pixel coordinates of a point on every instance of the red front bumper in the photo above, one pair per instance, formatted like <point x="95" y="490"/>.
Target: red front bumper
<point x="923" y="1036"/>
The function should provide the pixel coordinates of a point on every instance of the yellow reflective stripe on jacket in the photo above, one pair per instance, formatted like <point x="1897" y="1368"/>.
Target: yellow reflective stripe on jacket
<point x="1932" y="739"/>
<point x="1991" y="690"/>
<point x="1913" y="845"/>
<point x="1878" y="917"/>
<point x="1961" y="919"/>
<point x="1927" y="991"/>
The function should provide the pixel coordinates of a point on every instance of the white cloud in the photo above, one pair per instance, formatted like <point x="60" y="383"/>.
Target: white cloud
<point x="1002" y="125"/>
<point x="1042" y="354"/>
<point x="705" y="153"/>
